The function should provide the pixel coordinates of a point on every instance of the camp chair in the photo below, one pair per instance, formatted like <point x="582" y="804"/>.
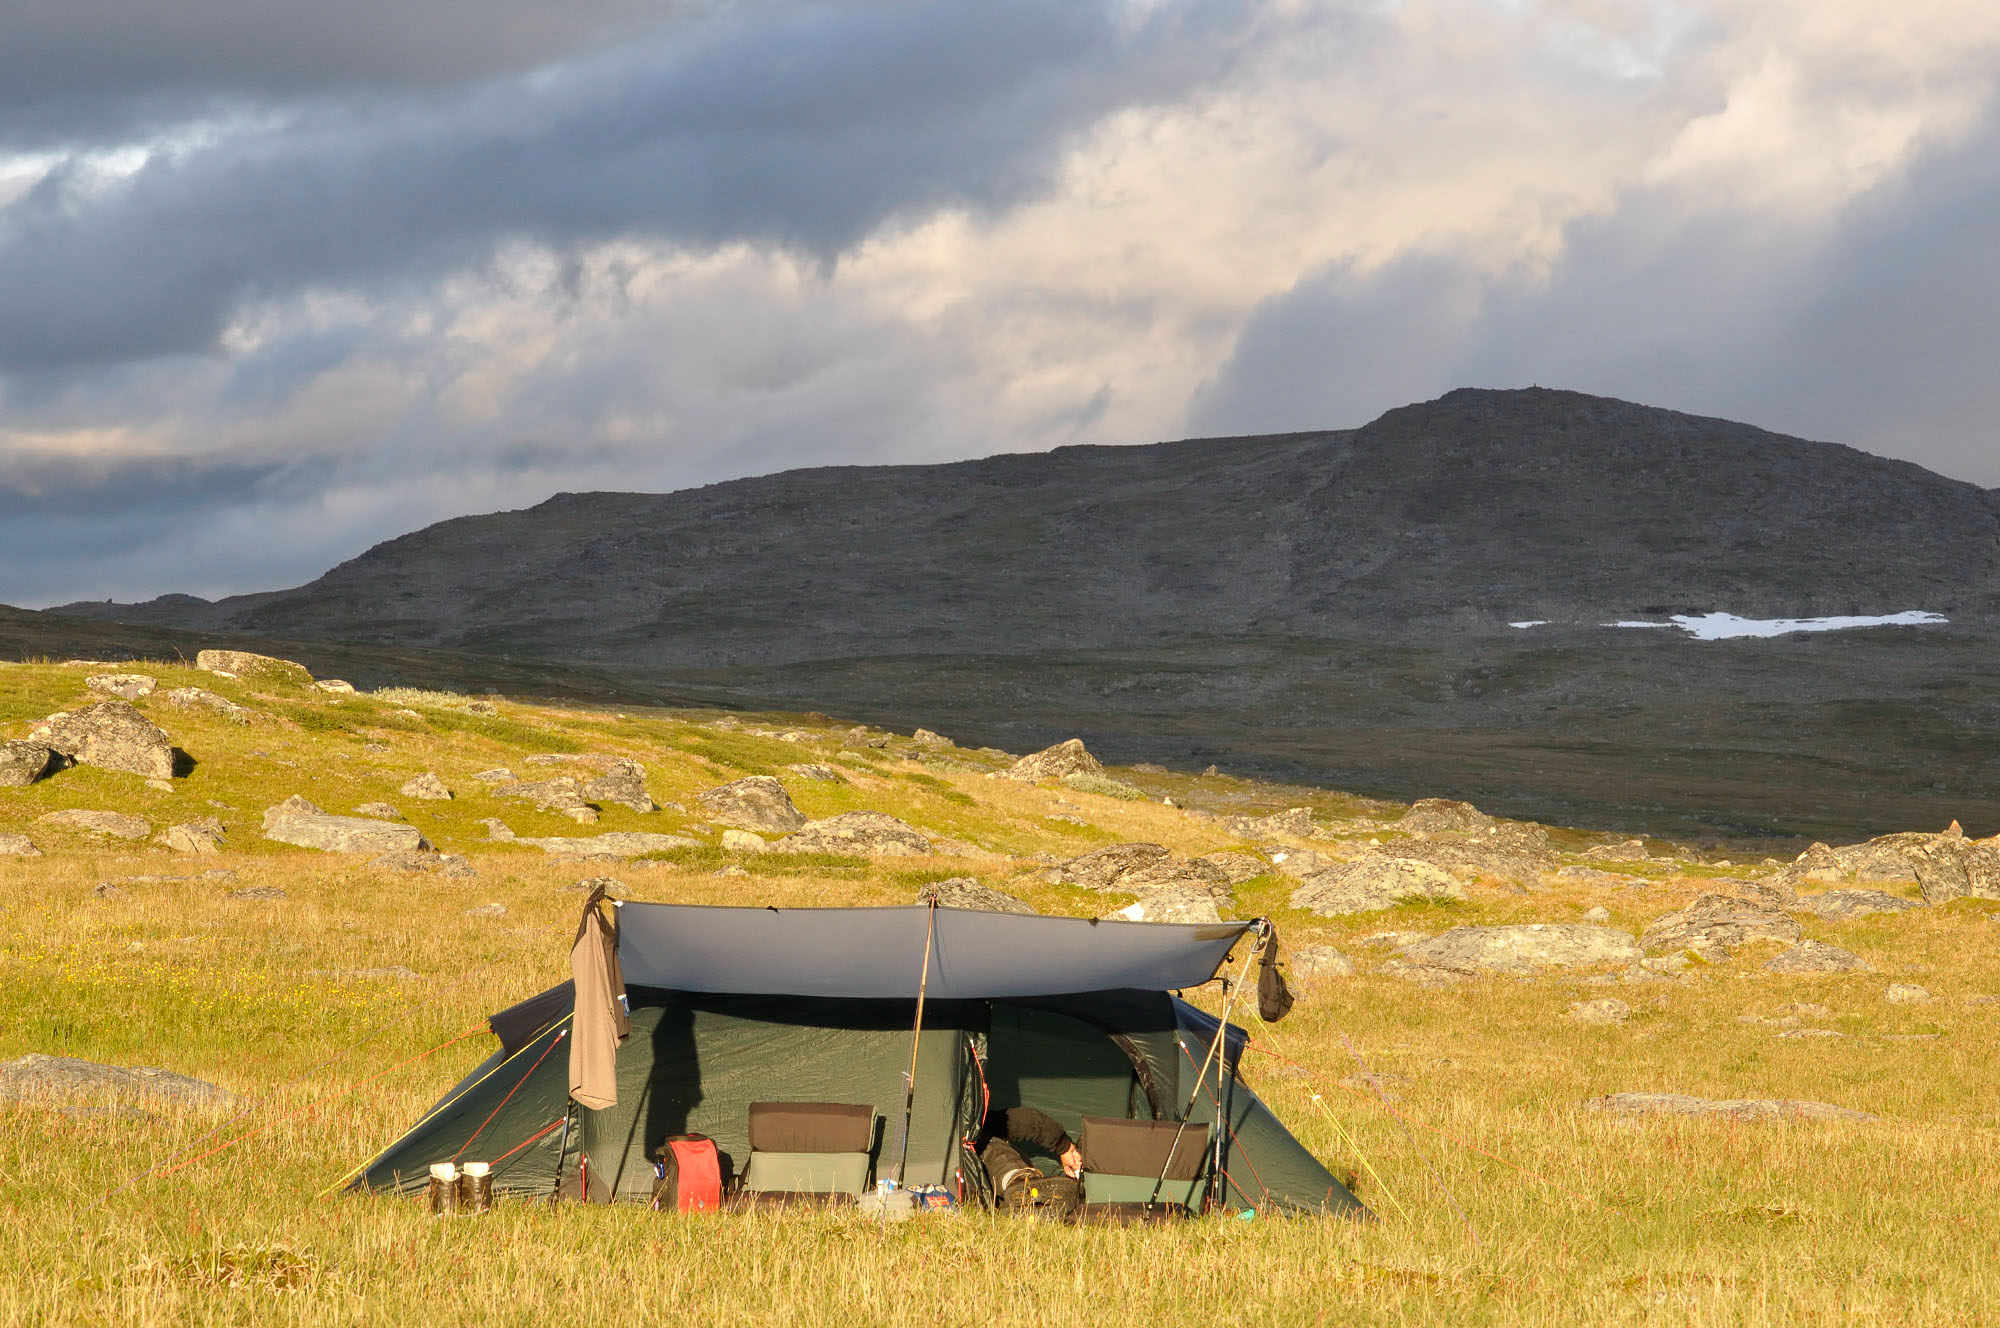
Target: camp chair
<point x="809" y="1148"/>
<point x="1123" y="1161"/>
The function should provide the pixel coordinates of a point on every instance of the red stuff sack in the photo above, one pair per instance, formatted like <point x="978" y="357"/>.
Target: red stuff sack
<point x="687" y="1174"/>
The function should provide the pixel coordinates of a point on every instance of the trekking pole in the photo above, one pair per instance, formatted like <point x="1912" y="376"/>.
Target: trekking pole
<point x="1201" y="1074"/>
<point x="562" y="1148"/>
<point x="916" y="1033"/>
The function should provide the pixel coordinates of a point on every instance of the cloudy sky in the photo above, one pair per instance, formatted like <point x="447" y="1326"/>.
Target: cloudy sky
<point x="281" y="279"/>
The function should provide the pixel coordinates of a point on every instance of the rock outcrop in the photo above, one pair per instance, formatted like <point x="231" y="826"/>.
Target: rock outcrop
<point x="1310" y="964"/>
<point x="253" y="667"/>
<point x="200" y="698"/>
<point x="1714" y="923"/>
<point x="1846" y="905"/>
<point x="562" y="795"/>
<point x="112" y="825"/>
<point x="426" y="787"/>
<point x="296" y="821"/>
<point x="1069" y="757"/>
<point x="1141" y="868"/>
<point x="1429" y="816"/>
<point x="1371" y="884"/>
<point x="1952" y="867"/>
<point x="111" y="735"/>
<point x="1173" y="904"/>
<point x="1816" y="957"/>
<point x="200" y="838"/>
<point x="125" y="686"/>
<point x="64" y="1081"/>
<point x="758" y="802"/>
<point x="23" y="762"/>
<point x="873" y="834"/>
<point x="1236" y="868"/>
<point x="621" y="782"/>
<point x="1293" y="823"/>
<point x="1522" y="949"/>
<point x="965" y="892"/>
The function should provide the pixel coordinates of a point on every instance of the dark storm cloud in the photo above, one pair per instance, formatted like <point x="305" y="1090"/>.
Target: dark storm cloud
<point x="808" y="132"/>
<point x="1873" y="327"/>
<point x="67" y="488"/>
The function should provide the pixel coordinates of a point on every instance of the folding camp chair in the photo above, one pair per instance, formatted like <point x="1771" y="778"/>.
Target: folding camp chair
<point x="1123" y="1162"/>
<point x="809" y="1148"/>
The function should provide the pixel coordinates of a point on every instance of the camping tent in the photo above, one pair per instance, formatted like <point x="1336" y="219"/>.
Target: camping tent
<point x="729" y="1006"/>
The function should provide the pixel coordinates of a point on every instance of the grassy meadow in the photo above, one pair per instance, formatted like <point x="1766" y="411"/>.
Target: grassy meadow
<point x="1459" y="1111"/>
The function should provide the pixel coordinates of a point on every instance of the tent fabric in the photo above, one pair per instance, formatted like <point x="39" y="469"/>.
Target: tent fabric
<point x="878" y="952"/>
<point x="600" y="1023"/>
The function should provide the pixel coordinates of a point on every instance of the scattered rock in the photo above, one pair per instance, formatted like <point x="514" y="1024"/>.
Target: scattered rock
<point x="1371" y="884"/>
<point x="1951" y="867"/>
<point x="1604" y="1010"/>
<point x="617" y="844"/>
<point x="487" y="911"/>
<point x="613" y="887"/>
<point x="758" y="802"/>
<point x="1299" y="863"/>
<point x="336" y="686"/>
<point x="1743" y="1109"/>
<point x="497" y="829"/>
<point x="426" y="787"/>
<point x="1236" y="868"/>
<point x="199" y="698"/>
<point x="1293" y="823"/>
<point x="1069" y="757"/>
<point x="18" y="846"/>
<point x="263" y="668"/>
<point x="1315" y="963"/>
<point x="1429" y="816"/>
<point x="115" y="825"/>
<point x="267" y="893"/>
<point x="1101" y="868"/>
<point x="49" y="1080"/>
<point x="1714" y="922"/>
<point x="965" y="892"/>
<point x="821" y="774"/>
<point x="296" y="821"/>
<point x="1905" y="993"/>
<point x="1506" y="852"/>
<point x="1847" y="905"/>
<point x="126" y="686"/>
<point x="873" y="833"/>
<point x="110" y="735"/>
<point x="926" y="738"/>
<point x="202" y="837"/>
<point x="1174" y="904"/>
<point x="23" y="762"/>
<point x="417" y="860"/>
<point x="622" y="783"/>
<point x="563" y="795"/>
<point x="1597" y="916"/>
<point x="1816" y="957"/>
<point x="379" y="809"/>
<point x="1523" y="949"/>
<point x="497" y="775"/>
<point x="742" y="841"/>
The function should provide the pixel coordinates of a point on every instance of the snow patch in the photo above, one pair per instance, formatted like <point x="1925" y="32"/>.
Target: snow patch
<point x="1532" y="622"/>
<point x="1727" y="626"/>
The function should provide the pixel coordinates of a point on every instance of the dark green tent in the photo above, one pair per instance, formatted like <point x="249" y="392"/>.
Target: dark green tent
<point x="731" y="1006"/>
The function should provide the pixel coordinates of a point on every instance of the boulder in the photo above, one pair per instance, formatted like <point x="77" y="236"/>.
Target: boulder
<point x="563" y="795"/>
<point x="337" y="686"/>
<point x="743" y="841"/>
<point x="872" y="833"/>
<point x="497" y="775"/>
<point x="1714" y="922"/>
<point x="254" y="667"/>
<point x="426" y="787"/>
<point x="1371" y="884"/>
<point x="1177" y="873"/>
<point x="1597" y="916"/>
<point x="1316" y="963"/>
<point x="965" y="892"/>
<point x="1523" y="949"/>
<point x="1604" y="1010"/>
<point x="296" y="821"/>
<point x="1294" y="823"/>
<point x="1816" y="957"/>
<point x="1299" y="863"/>
<point x="818" y="773"/>
<point x="200" y="698"/>
<point x="1069" y="757"/>
<point x="1429" y="816"/>
<point x="381" y="810"/>
<point x="18" y="846"/>
<point x="1905" y="993"/>
<point x="1174" y="904"/>
<point x="62" y="1080"/>
<point x="1236" y="868"/>
<point x="1847" y="905"/>
<point x="926" y="738"/>
<point x="23" y="762"/>
<point x="114" y="825"/>
<point x="1742" y="1109"/>
<point x="622" y="783"/>
<point x="756" y="803"/>
<point x="1101" y="868"/>
<point x="617" y="844"/>
<point x="110" y="735"/>
<point x="202" y="838"/>
<point x="1952" y="867"/>
<point x="126" y="686"/>
<point x="1507" y="852"/>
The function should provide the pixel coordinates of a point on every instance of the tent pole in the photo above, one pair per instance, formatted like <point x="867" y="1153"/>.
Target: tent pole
<point x="1215" y="1048"/>
<point x="562" y="1149"/>
<point x="916" y="1035"/>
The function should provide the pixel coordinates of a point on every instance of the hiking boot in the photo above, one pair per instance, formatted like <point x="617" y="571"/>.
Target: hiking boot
<point x="1031" y="1194"/>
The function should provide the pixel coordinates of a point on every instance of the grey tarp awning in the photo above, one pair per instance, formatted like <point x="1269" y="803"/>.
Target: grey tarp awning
<point x="879" y="952"/>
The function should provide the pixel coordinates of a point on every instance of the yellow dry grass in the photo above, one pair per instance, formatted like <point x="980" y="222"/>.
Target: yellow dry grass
<point x="1503" y="1200"/>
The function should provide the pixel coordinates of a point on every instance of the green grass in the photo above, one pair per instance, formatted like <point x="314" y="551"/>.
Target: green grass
<point x="1503" y="1199"/>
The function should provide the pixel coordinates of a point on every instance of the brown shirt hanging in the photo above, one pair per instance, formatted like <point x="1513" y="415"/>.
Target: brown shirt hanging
<point x="600" y="1023"/>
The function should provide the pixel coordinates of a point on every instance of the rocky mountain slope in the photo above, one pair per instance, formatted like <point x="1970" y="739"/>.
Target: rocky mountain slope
<point x="1326" y="605"/>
